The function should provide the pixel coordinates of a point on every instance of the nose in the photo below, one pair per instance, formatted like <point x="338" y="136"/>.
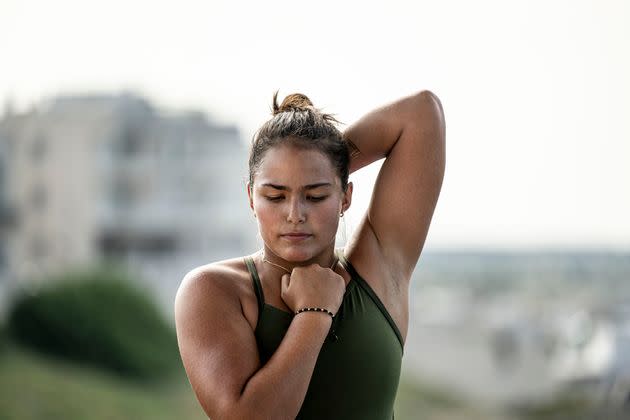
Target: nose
<point x="296" y="212"/>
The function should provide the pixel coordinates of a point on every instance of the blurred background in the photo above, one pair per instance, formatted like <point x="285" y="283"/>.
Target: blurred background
<point x="124" y="129"/>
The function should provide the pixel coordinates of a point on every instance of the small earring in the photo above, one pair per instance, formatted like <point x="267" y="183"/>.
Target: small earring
<point x="341" y="214"/>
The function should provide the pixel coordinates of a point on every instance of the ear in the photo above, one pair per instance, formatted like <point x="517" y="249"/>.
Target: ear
<point x="347" y="198"/>
<point x="249" y="195"/>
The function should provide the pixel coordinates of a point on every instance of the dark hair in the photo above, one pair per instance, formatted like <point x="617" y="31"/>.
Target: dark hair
<point x="298" y="123"/>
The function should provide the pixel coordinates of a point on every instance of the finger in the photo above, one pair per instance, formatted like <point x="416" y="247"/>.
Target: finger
<point x="285" y="281"/>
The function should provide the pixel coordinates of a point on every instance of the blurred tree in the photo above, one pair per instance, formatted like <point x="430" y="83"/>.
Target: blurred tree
<point x="97" y="317"/>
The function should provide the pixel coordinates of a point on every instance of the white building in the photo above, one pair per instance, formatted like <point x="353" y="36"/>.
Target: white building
<point x="95" y="177"/>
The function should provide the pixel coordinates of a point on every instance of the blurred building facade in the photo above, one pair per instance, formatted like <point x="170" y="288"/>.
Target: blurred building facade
<point x="512" y="329"/>
<point x="109" y="176"/>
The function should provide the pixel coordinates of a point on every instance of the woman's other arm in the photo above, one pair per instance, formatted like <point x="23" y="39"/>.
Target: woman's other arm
<point x="410" y="134"/>
<point x="220" y="356"/>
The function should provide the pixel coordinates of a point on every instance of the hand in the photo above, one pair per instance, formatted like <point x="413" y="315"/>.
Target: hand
<point x="313" y="286"/>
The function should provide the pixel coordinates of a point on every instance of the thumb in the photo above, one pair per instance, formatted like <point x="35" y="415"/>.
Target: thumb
<point x="285" y="281"/>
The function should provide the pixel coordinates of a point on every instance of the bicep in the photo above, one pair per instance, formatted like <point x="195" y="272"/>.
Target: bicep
<point x="217" y="345"/>
<point x="408" y="185"/>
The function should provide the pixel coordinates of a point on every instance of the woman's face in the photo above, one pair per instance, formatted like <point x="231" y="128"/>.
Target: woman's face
<point x="297" y="198"/>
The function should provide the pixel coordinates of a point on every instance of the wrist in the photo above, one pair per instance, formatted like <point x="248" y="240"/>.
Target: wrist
<point x="314" y="309"/>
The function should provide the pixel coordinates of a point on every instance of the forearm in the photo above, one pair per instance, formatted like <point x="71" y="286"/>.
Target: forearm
<point x="375" y="134"/>
<point x="278" y="389"/>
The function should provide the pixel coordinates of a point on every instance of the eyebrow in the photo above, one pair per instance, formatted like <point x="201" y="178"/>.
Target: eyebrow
<point x="307" y="187"/>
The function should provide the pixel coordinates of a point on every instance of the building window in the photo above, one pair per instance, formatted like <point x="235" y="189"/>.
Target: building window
<point x="118" y="244"/>
<point x="130" y="142"/>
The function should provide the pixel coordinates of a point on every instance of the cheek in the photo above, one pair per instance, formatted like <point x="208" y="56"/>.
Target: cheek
<point x="327" y="215"/>
<point x="266" y="214"/>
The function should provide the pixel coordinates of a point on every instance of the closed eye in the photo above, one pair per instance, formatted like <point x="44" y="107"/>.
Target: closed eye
<point x="312" y="198"/>
<point x="318" y="198"/>
<point x="277" y="198"/>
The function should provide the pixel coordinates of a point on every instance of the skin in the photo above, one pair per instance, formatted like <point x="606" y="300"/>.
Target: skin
<point x="298" y="190"/>
<point x="216" y="309"/>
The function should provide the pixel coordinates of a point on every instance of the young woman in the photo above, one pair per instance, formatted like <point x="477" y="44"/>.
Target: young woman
<point x="299" y="329"/>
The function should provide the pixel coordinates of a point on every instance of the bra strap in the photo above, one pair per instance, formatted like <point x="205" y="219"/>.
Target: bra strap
<point x="257" y="286"/>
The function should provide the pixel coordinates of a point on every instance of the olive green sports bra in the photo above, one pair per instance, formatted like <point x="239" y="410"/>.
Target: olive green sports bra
<point x="358" y="369"/>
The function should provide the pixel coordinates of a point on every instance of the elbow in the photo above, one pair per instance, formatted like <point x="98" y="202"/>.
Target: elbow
<point x="426" y="97"/>
<point x="428" y="102"/>
<point x="221" y="409"/>
<point x="427" y="94"/>
<point x="429" y="114"/>
<point x="245" y="410"/>
<point x="225" y="413"/>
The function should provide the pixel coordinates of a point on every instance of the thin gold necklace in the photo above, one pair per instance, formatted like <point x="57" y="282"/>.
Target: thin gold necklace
<point x="279" y="266"/>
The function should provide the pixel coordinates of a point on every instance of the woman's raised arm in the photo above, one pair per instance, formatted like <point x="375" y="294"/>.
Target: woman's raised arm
<point x="410" y="134"/>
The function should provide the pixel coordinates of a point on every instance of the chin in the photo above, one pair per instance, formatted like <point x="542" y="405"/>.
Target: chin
<point x="295" y="254"/>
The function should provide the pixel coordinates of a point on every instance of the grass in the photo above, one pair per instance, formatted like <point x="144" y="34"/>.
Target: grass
<point x="34" y="386"/>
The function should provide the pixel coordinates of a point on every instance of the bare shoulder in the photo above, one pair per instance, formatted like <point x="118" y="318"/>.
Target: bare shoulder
<point x="220" y="279"/>
<point x="209" y="320"/>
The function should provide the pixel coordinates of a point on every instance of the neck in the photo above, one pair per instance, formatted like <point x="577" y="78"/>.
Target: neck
<point x="324" y="259"/>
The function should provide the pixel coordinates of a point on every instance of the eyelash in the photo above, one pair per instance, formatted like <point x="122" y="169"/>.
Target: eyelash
<point x="315" y="199"/>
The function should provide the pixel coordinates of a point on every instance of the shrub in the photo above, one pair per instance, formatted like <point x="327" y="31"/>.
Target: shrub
<point x="96" y="317"/>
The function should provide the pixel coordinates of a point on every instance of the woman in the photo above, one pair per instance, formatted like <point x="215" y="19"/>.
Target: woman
<point x="298" y="329"/>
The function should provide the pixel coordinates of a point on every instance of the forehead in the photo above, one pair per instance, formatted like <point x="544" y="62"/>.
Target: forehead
<point x="292" y="166"/>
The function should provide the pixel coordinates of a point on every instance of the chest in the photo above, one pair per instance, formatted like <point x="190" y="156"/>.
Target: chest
<point x="359" y="364"/>
<point x="359" y="326"/>
<point x="394" y="300"/>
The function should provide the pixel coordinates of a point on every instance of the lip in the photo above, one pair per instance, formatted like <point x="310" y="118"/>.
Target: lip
<point x="296" y="236"/>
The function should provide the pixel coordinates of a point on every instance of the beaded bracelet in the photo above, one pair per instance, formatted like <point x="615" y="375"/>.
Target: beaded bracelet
<point x="314" y="309"/>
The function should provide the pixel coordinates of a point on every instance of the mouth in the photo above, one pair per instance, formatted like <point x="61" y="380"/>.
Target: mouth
<point x="294" y="237"/>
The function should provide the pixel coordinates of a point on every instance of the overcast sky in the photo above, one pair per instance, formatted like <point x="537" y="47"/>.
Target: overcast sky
<point x="536" y="93"/>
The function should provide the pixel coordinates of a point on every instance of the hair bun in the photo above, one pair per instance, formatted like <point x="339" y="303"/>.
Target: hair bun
<point x="292" y="102"/>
